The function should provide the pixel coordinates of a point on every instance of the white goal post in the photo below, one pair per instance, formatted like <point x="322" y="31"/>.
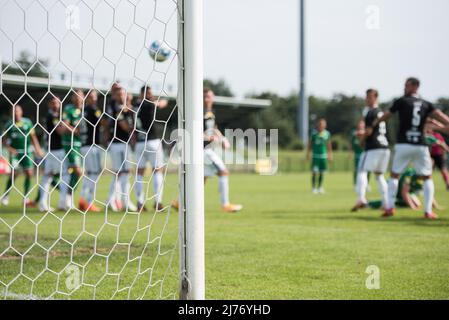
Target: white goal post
<point x="192" y="181"/>
<point x="145" y="238"/>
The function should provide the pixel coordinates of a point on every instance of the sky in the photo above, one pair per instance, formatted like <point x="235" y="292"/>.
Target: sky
<point x="252" y="44"/>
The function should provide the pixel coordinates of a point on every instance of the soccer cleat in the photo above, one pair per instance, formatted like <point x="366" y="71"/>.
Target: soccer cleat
<point x="83" y="205"/>
<point x="141" y="207"/>
<point x="358" y="206"/>
<point x="315" y="191"/>
<point x="114" y="205"/>
<point x="45" y="208"/>
<point x="5" y="201"/>
<point x="30" y="204"/>
<point x="175" y="204"/>
<point x="388" y="213"/>
<point x="158" y="206"/>
<point x="93" y="208"/>
<point x="430" y="216"/>
<point x="321" y="191"/>
<point x="130" y="207"/>
<point x="231" y="208"/>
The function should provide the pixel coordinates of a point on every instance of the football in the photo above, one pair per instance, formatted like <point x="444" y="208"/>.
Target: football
<point x="159" y="52"/>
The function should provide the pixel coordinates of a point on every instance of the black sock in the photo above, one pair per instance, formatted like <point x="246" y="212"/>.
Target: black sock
<point x="320" y="180"/>
<point x="313" y="180"/>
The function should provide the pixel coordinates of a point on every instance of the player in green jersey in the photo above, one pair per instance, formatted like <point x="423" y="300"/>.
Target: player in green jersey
<point x="409" y="188"/>
<point x="71" y="141"/>
<point x="356" y="146"/>
<point x="320" y="148"/>
<point x="19" y="137"/>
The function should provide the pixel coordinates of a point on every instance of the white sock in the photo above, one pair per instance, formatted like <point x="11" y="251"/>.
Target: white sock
<point x="139" y="189"/>
<point x="113" y="189"/>
<point x="93" y="187"/>
<point x="64" y="187"/>
<point x="45" y="184"/>
<point x="223" y="187"/>
<point x="125" y="186"/>
<point x="362" y="184"/>
<point x="383" y="189"/>
<point x="85" y="189"/>
<point x="429" y="194"/>
<point x="158" y="182"/>
<point x="393" y="186"/>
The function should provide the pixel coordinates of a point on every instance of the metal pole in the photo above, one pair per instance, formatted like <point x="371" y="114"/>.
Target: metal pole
<point x="303" y="107"/>
<point x="192" y="170"/>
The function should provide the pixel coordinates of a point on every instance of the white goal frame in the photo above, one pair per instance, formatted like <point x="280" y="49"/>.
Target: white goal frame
<point x="190" y="101"/>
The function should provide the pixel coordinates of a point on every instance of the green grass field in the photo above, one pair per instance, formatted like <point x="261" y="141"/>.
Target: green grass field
<point x="286" y="244"/>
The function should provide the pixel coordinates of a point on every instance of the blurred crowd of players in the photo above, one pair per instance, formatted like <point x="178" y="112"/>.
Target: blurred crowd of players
<point x="82" y="135"/>
<point x="420" y="148"/>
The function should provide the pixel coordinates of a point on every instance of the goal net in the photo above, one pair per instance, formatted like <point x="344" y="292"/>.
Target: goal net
<point x="98" y="198"/>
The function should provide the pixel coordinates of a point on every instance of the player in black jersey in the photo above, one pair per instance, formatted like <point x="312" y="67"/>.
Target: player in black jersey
<point x="91" y="151"/>
<point x="376" y="157"/>
<point x="149" y="131"/>
<point x="53" y="165"/>
<point x="121" y="132"/>
<point x="413" y="113"/>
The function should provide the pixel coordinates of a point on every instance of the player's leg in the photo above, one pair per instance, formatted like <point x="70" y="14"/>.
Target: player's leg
<point x="423" y="166"/>
<point x="156" y="158"/>
<point x="216" y="164"/>
<point x="91" y="166"/>
<point x="362" y="183"/>
<point x="28" y="170"/>
<point x="401" y="160"/>
<point x="142" y="160"/>
<point x="323" y="166"/>
<point x="441" y="164"/>
<point x="117" y="158"/>
<point x="14" y="161"/>
<point x="49" y="170"/>
<point x="124" y="179"/>
<point x="315" y="171"/>
<point x="382" y="161"/>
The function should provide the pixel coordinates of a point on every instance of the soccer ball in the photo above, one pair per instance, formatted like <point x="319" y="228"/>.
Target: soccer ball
<point x="159" y="52"/>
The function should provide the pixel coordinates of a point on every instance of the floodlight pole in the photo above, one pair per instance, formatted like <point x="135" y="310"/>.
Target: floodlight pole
<point x="303" y="106"/>
<point x="190" y="101"/>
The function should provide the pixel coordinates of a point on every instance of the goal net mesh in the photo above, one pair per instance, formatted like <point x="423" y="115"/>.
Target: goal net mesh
<point x="53" y="244"/>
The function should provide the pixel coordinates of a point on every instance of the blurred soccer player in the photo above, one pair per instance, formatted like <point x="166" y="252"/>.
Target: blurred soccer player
<point x="413" y="112"/>
<point x="121" y="133"/>
<point x="91" y="151"/>
<point x="213" y="164"/>
<point x="55" y="156"/>
<point x="376" y="156"/>
<point x="19" y="133"/>
<point x="320" y="147"/>
<point x="149" y="146"/>
<point x="438" y="150"/>
<point x="356" y="146"/>
<point x="71" y="141"/>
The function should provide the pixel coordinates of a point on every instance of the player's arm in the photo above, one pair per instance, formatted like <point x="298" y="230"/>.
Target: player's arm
<point x="330" y="151"/>
<point x="405" y="193"/>
<point x="385" y="117"/>
<point x="161" y="103"/>
<point x="6" y="141"/>
<point x="439" y="115"/>
<point x="224" y="141"/>
<point x="36" y="144"/>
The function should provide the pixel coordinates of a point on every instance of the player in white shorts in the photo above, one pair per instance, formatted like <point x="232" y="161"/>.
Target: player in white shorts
<point x="213" y="163"/>
<point x="411" y="147"/>
<point x="92" y="152"/>
<point x="149" y="149"/>
<point x="121" y="131"/>
<point x="376" y="157"/>
<point x="54" y="164"/>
